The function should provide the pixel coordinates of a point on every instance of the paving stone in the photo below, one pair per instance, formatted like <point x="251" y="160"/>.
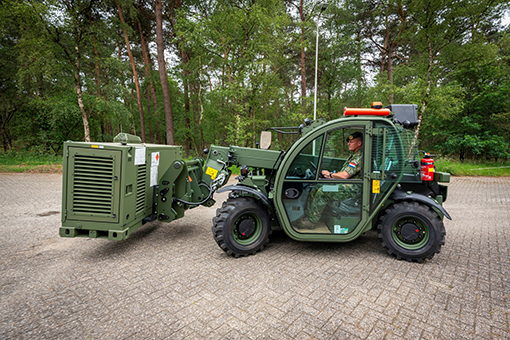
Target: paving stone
<point x="171" y="281"/>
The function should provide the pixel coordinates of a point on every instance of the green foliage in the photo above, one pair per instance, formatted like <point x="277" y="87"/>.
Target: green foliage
<point x="235" y="70"/>
<point x="58" y="121"/>
<point x="489" y="146"/>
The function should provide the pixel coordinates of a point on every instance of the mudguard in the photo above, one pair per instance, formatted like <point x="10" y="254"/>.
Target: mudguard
<point x="249" y="190"/>
<point x="403" y="196"/>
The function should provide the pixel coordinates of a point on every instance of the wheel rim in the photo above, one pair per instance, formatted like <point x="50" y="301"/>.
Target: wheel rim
<point x="247" y="229"/>
<point x="410" y="233"/>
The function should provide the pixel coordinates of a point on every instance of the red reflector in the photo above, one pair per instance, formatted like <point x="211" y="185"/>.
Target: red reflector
<point x="366" y="112"/>
<point x="417" y="230"/>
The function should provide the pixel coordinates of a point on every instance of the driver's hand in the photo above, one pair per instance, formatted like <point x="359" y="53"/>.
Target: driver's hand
<point x="326" y="173"/>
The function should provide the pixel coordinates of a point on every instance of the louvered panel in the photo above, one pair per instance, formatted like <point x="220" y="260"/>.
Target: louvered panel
<point x="93" y="184"/>
<point x="140" y="189"/>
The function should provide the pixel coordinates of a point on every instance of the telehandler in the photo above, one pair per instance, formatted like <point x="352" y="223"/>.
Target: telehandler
<point x="111" y="189"/>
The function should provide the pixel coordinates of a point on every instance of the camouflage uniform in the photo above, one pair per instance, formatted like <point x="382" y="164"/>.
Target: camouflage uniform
<point x="321" y="194"/>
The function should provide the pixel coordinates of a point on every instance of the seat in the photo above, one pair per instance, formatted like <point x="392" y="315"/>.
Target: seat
<point x="342" y="217"/>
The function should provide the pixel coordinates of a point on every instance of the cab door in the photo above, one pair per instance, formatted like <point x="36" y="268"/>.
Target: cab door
<point x="391" y="147"/>
<point x="311" y="207"/>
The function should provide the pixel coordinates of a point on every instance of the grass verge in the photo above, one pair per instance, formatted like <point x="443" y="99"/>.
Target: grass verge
<point x="22" y="162"/>
<point x="473" y="168"/>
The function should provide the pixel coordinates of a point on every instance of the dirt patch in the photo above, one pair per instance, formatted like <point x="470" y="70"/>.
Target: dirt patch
<point x="48" y="213"/>
<point x="52" y="169"/>
<point x="32" y="169"/>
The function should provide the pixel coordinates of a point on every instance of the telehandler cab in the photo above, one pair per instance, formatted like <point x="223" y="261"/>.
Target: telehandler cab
<point x="395" y="192"/>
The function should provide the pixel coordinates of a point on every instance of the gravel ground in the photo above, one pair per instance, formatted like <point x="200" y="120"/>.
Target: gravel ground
<point x="172" y="281"/>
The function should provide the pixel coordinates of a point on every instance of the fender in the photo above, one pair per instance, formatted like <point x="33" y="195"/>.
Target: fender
<point x="250" y="190"/>
<point x="402" y="196"/>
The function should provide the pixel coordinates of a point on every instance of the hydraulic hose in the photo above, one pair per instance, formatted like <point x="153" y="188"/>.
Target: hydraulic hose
<point x="201" y="183"/>
<point x="211" y="189"/>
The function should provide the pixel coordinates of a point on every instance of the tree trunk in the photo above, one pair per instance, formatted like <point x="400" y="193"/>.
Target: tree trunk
<point x="185" y="81"/>
<point x="384" y="50"/>
<point x="150" y="120"/>
<point x="187" y="123"/>
<point x="97" y="76"/>
<point x="167" y="101"/>
<point x="151" y="92"/>
<point x="7" y="143"/>
<point x="390" y="71"/>
<point x="135" y="75"/>
<point x="4" y="123"/>
<point x="303" y="59"/>
<point x="359" y="68"/>
<point x="201" y="116"/>
<point x="77" y="88"/>
<point x="98" y="69"/>
<point x="425" y="99"/>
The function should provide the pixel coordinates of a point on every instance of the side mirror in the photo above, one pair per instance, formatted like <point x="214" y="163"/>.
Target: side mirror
<point x="265" y="140"/>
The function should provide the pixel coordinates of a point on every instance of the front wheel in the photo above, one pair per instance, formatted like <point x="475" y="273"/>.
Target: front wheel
<point x="411" y="231"/>
<point x="241" y="227"/>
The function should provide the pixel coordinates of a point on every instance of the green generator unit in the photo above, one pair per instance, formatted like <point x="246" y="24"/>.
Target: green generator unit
<point x="112" y="189"/>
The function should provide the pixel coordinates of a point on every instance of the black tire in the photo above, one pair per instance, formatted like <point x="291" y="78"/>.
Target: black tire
<point x="242" y="226"/>
<point x="411" y="231"/>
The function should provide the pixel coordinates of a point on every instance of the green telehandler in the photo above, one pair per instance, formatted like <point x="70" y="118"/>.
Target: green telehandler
<point x="111" y="189"/>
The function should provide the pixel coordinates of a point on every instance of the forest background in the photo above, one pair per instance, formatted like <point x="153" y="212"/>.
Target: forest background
<point x="201" y="72"/>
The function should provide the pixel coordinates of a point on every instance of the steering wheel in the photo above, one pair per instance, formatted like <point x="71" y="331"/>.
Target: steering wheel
<point x="315" y="167"/>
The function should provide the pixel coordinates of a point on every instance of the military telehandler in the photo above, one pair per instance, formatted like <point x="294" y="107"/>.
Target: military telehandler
<point x="111" y="189"/>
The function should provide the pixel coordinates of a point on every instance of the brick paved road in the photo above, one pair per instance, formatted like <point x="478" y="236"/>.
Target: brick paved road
<point x="172" y="281"/>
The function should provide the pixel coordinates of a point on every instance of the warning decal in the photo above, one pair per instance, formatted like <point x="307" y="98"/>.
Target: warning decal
<point x="155" y="159"/>
<point x="376" y="186"/>
<point x="211" y="172"/>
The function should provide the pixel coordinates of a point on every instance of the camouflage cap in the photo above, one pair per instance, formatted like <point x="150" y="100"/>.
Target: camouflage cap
<point x="354" y="135"/>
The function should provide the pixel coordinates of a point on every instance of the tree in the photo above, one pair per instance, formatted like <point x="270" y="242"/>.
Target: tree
<point x="135" y="73"/>
<point x="71" y="36"/>
<point x="438" y="24"/>
<point x="9" y="100"/>
<point x="167" y="101"/>
<point x="151" y="90"/>
<point x="385" y="26"/>
<point x="341" y="64"/>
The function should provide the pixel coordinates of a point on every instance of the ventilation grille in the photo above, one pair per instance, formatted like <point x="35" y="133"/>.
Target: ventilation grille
<point x="140" y="188"/>
<point x="93" y="185"/>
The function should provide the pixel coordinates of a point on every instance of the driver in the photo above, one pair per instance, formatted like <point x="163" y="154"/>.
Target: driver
<point x="319" y="198"/>
<point x="352" y="166"/>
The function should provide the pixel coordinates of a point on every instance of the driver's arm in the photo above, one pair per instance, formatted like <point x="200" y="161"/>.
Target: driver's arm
<point x="337" y="175"/>
<point x="352" y="166"/>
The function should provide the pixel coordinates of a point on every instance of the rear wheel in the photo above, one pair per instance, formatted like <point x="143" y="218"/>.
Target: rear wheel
<point x="241" y="227"/>
<point x="411" y="231"/>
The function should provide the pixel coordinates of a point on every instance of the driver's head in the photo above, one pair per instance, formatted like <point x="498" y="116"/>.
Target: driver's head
<point x="355" y="141"/>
